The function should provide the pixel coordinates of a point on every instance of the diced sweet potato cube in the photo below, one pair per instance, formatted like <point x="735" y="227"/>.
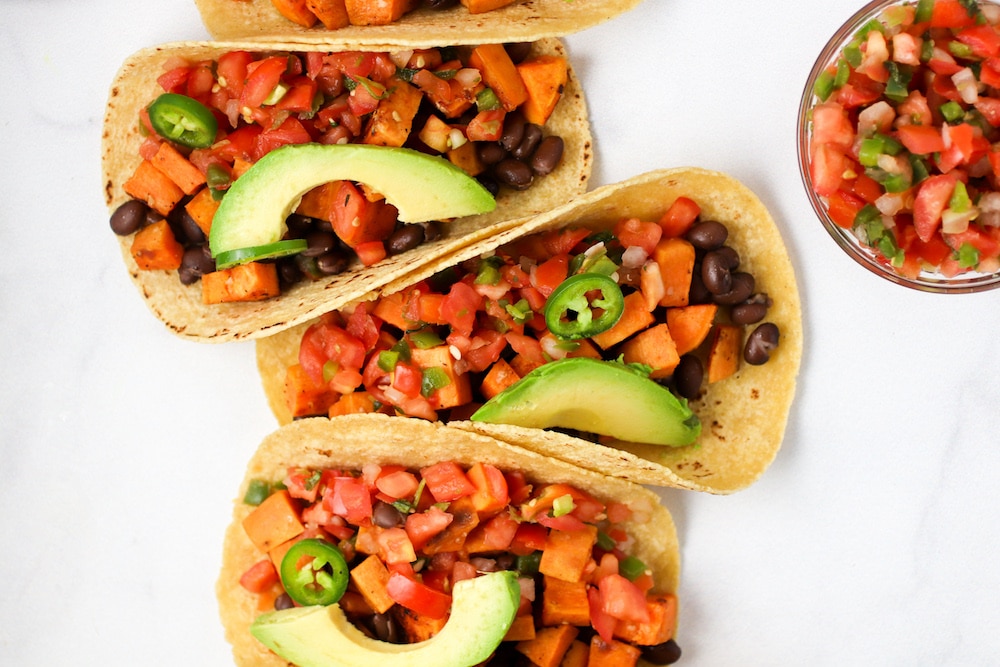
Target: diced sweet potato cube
<point x="152" y="186"/>
<point x="544" y="78"/>
<point x="612" y="654"/>
<point x="253" y="281"/>
<point x="358" y="402"/>
<point x="675" y="257"/>
<point x="724" y="354"/>
<point x="370" y="578"/>
<point x="567" y="553"/>
<point x="458" y="391"/>
<point x="499" y="377"/>
<point x="202" y="208"/>
<point x="417" y="627"/>
<point x="480" y="6"/>
<point x="295" y="11"/>
<point x="523" y="628"/>
<point x="500" y="74"/>
<point x="155" y="247"/>
<point x="635" y="318"/>
<point x="577" y="655"/>
<point x="466" y="158"/>
<point x="274" y="521"/>
<point x="305" y="397"/>
<point x="392" y="120"/>
<point x="377" y="12"/>
<point x="690" y="325"/>
<point x="318" y="202"/>
<point x="331" y="13"/>
<point x="564" y="602"/>
<point x="178" y="168"/>
<point x="549" y="645"/>
<point x="655" y="348"/>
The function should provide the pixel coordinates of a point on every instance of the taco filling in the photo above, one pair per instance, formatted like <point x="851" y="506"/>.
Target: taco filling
<point x="388" y="544"/>
<point x="482" y="108"/>
<point x="665" y="298"/>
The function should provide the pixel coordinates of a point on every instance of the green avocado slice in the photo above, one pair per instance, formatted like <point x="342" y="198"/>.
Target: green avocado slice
<point x="602" y="397"/>
<point x="422" y="187"/>
<point x="482" y="611"/>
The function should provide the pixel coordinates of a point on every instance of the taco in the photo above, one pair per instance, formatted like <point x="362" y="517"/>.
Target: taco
<point x="416" y="104"/>
<point x="404" y="21"/>
<point x="467" y="328"/>
<point x="405" y="510"/>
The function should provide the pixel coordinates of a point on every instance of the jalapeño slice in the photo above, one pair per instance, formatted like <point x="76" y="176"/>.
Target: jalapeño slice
<point x="584" y="305"/>
<point x="229" y="258"/>
<point x="183" y="119"/>
<point x="314" y="572"/>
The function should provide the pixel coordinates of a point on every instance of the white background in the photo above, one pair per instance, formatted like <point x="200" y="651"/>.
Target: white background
<point x="873" y="538"/>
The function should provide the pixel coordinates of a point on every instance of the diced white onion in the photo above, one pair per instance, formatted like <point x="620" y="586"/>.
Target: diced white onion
<point x="634" y="257"/>
<point x="965" y="80"/>
<point x="955" y="223"/>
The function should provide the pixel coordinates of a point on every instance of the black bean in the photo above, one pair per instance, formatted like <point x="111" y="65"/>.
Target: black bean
<point x="750" y="311"/>
<point x="666" y="653"/>
<point x="688" y="376"/>
<point x="129" y="217"/>
<point x="513" y="173"/>
<point x="698" y="293"/>
<point x="403" y="238"/>
<point x="529" y="142"/>
<point x="707" y="234"/>
<point x="513" y="131"/>
<point x="547" y="156"/>
<point x="741" y="289"/>
<point x="385" y="515"/>
<point x="288" y="271"/>
<point x="320" y="243"/>
<point x="716" y="270"/>
<point x="490" y="183"/>
<point x="333" y="262"/>
<point x="760" y="343"/>
<point x="196" y="262"/>
<point x="299" y="225"/>
<point x="490" y="153"/>
<point x="518" y="51"/>
<point x="440" y="4"/>
<point x="388" y="629"/>
<point x="432" y="231"/>
<point x="188" y="231"/>
<point x="283" y="601"/>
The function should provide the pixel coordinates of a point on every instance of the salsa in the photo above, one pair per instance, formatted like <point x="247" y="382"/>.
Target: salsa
<point x="388" y="543"/>
<point x="482" y="107"/>
<point x="905" y="141"/>
<point x="667" y="297"/>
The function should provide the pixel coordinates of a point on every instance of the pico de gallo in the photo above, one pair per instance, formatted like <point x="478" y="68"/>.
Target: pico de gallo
<point x="483" y="107"/>
<point x="666" y="296"/>
<point x="388" y="543"/>
<point x="905" y="137"/>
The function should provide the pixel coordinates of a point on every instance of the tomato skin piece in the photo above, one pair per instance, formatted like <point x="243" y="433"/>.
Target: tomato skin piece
<point x="843" y="207"/>
<point x="491" y="488"/>
<point x="984" y="40"/>
<point x="262" y="78"/>
<point x="447" y="481"/>
<point x="931" y="201"/>
<point x="260" y="577"/>
<point x="921" y="139"/>
<point x="623" y="599"/>
<point x="460" y="306"/>
<point x="950" y="14"/>
<point x="679" y="217"/>
<point x="827" y="169"/>
<point x="417" y="596"/>
<point x="635" y="232"/>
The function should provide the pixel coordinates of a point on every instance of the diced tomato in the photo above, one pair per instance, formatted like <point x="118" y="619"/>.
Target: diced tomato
<point x="370" y="252"/>
<point x="921" y="139"/>
<point x="447" y="481"/>
<point x="491" y="488"/>
<point x="932" y="199"/>
<point x="395" y="546"/>
<point x="950" y="14"/>
<point x="231" y="71"/>
<point x="422" y="526"/>
<point x="484" y="349"/>
<point x="528" y="347"/>
<point x="301" y="483"/>
<point x="173" y="80"/>
<point x="397" y="484"/>
<point x="417" y="596"/>
<point x="989" y="72"/>
<point x="982" y="39"/>
<point x="843" y="208"/>
<point x="986" y="243"/>
<point x="635" y="232"/>
<point x="291" y="131"/>
<point x="260" y="577"/>
<point x="622" y="599"/>
<point x="350" y="499"/>
<point x="679" y="216"/>
<point x="858" y="91"/>
<point x="486" y="126"/>
<point x="529" y="538"/>
<point x="550" y="273"/>
<point x="325" y="341"/>
<point x="562" y="241"/>
<point x="496" y="534"/>
<point x="200" y="82"/>
<point x="262" y="78"/>
<point x="460" y="306"/>
<point x="300" y="96"/>
<point x="827" y="169"/>
<point x="601" y="621"/>
<point x="407" y="378"/>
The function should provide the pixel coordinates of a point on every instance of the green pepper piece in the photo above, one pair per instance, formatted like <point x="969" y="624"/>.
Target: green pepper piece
<point x="229" y="258"/>
<point x="924" y="10"/>
<point x="631" y="568"/>
<point x="897" y="88"/>
<point x="314" y="572"/>
<point x="959" y="202"/>
<point x="184" y="120"/>
<point x="432" y="379"/>
<point x="952" y="111"/>
<point x="824" y="85"/>
<point x="968" y="256"/>
<point x="257" y="492"/>
<point x="571" y="296"/>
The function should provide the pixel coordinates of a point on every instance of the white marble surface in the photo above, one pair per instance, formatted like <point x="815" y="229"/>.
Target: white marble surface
<point x="872" y="539"/>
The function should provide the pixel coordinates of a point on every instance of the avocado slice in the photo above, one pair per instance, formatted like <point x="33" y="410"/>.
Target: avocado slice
<point x="482" y="611"/>
<point x="602" y="397"/>
<point x="422" y="187"/>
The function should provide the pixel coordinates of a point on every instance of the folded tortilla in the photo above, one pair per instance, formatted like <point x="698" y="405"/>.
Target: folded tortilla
<point x="355" y="440"/>
<point x="743" y="417"/>
<point x="522" y="21"/>
<point x="181" y="308"/>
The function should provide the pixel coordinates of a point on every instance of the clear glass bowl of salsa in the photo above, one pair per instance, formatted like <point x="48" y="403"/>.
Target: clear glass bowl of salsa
<point x="899" y="142"/>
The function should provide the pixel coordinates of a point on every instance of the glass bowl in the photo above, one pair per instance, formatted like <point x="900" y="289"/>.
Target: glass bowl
<point x="918" y="275"/>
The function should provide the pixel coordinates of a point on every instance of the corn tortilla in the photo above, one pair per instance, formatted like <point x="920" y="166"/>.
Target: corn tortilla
<point x="524" y="20"/>
<point x="180" y="307"/>
<point x="352" y="441"/>
<point x="743" y="417"/>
